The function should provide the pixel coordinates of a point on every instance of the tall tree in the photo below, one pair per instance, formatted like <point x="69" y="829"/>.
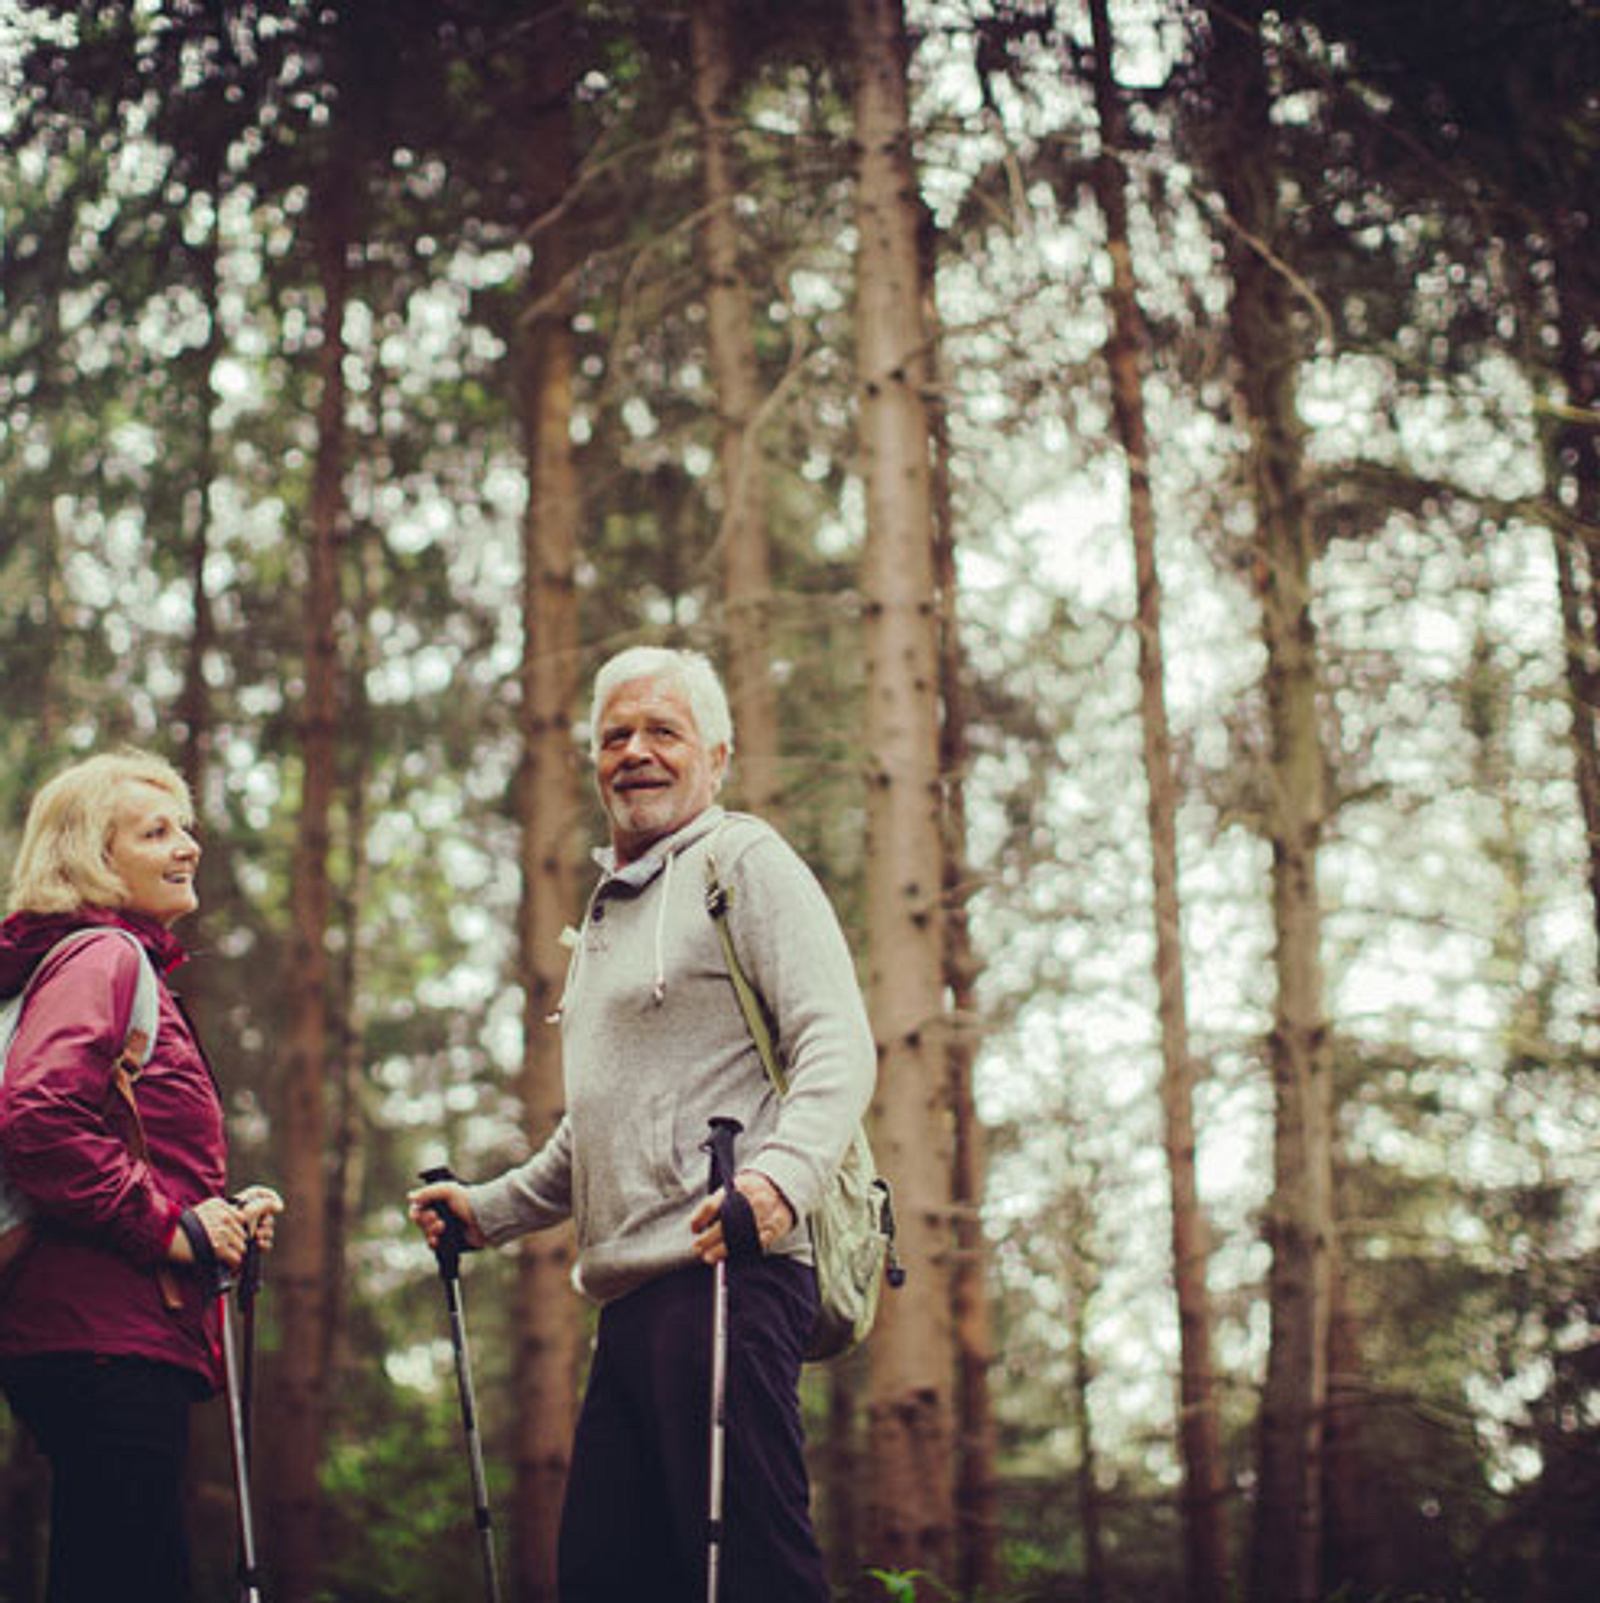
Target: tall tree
<point x="743" y="536"/>
<point x="1265" y="344"/>
<point x="912" y="1514"/>
<point x="1091" y="1499"/>
<point x="345" y="50"/>
<point x="300" y="1271"/>
<point x="977" y="1567"/>
<point x="549" y="1320"/>
<point x="1204" y="1478"/>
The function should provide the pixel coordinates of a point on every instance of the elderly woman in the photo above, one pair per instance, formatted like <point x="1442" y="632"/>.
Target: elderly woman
<point x="108" y="1318"/>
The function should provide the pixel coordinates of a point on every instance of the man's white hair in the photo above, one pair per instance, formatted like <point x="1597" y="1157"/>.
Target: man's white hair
<point x="690" y="671"/>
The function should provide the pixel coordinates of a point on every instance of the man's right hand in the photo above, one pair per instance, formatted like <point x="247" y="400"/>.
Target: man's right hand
<point x="422" y="1205"/>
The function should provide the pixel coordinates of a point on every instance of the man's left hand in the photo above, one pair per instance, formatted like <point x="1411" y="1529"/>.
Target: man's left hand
<point x="774" y="1217"/>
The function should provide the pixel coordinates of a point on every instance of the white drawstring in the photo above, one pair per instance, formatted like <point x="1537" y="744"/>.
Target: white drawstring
<point x="578" y="942"/>
<point x="658" y="992"/>
<point x="574" y="942"/>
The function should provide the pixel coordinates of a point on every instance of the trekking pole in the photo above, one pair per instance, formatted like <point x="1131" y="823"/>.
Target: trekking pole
<point x="448" y="1253"/>
<point x="720" y="1145"/>
<point x="249" y="1288"/>
<point x="238" y="1386"/>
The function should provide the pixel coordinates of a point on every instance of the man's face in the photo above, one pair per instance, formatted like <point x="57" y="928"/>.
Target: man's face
<point x="654" y="771"/>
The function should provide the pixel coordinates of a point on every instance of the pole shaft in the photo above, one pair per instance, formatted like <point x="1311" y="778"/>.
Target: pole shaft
<point x="719" y="1427"/>
<point x="469" y="1423"/>
<point x="249" y="1588"/>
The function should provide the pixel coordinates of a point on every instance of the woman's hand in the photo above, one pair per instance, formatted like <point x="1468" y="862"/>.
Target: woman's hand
<point x="260" y="1206"/>
<point x="229" y="1225"/>
<point x="423" y="1204"/>
<point x="224" y="1229"/>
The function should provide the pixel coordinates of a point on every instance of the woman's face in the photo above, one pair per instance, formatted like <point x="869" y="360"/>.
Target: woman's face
<point x="153" y="854"/>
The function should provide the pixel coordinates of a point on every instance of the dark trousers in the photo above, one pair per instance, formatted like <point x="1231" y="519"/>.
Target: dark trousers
<point x="634" y="1524"/>
<point x="116" y="1433"/>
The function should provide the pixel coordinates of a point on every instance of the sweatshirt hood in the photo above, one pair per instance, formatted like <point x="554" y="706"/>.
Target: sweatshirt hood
<point x="26" y="937"/>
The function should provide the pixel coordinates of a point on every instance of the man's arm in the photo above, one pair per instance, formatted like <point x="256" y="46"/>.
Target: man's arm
<point x="533" y="1196"/>
<point x="791" y="945"/>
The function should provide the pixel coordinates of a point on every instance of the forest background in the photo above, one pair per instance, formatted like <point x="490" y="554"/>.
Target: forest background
<point x="1136" y="463"/>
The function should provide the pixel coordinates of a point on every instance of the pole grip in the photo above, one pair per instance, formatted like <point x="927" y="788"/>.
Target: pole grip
<point x="250" y="1276"/>
<point x="720" y="1146"/>
<point x="454" y="1241"/>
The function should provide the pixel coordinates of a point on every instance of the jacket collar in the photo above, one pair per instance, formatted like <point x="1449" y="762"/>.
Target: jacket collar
<point x="26" y="937"/>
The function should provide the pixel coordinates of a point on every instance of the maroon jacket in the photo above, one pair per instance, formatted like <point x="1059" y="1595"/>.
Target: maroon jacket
<point x="104" y="1220"/>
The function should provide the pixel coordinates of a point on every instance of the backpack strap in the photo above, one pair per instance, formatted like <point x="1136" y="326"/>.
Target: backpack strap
<point x="751" y="1002"/>
<point x="139" y="1036"/>
<point x="138" y="1045"/>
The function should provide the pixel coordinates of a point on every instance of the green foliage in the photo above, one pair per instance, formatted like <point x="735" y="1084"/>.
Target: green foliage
<point x="903" y="1585"/>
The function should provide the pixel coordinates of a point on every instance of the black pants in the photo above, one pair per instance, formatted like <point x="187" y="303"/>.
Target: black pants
<point x="634" y="1524"/>
<point x="116" y="1433"/>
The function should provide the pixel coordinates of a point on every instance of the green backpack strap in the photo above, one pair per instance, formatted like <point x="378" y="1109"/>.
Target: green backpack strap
<point x="852" y="1229"/>
<point x="751" y="1003"/>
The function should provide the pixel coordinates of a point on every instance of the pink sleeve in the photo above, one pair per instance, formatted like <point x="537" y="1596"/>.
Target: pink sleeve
<point x="57" y="1139"/>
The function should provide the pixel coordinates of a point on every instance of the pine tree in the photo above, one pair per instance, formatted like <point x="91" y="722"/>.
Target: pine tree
<point x="911" y="1356"/>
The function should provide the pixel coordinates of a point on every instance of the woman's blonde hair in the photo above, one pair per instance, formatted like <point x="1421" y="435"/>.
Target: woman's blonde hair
<point x="62" y="863"/>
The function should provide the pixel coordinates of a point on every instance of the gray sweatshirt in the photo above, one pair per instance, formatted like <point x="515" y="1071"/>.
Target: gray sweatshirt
<point x="654" y="1045"/>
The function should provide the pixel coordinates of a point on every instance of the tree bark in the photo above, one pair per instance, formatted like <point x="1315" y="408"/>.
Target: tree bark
<point x="911" y="1357"/>
<point x="839" y="1473"/>
<point x="347" y="1053"/>
<point x="549" y="1319"/>
<point x="1575" y="482"/>
<point x="194" y="710"/>
<point x="1354" y="1560"/>
<point x="299" y="1267"/>
<point x="977" y="1496"/>
<point x="1091" y="1517"/>
<point x="1286" y="1551"/>
<point x="1206" y="1567"/>
<point x="194" y="699"/>
<point x="746" y="554"/>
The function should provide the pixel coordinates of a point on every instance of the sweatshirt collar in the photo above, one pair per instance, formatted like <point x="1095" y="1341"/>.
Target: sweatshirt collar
<point x="642" y="871"/>
<point x="637" y="874"/>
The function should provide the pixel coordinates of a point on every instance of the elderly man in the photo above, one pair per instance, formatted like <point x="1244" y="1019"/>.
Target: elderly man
<point x="654" y="1046"/>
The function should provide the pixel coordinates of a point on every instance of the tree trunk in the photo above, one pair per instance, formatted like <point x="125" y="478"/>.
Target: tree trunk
<point x="977" y="1491"/>
<point x="549" y="1318"/>
<point x="1583" y="684"/>
<point x="977" y="1567"/>
<point x="1199" y="1433"/>
<point x="347" y="1055"/>
<point x="839" y="1528"/>
<point x="1354" y="1562"/>
<point x="1090" y="1515"/>
<point x="1575" y="483"/>
<point x="912" y="1514"/>
<point x="299" y="1266"/>
<point x="746" y="557"/>
<point x="194" y="699"/>
<point x="1285" y="1557"/>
